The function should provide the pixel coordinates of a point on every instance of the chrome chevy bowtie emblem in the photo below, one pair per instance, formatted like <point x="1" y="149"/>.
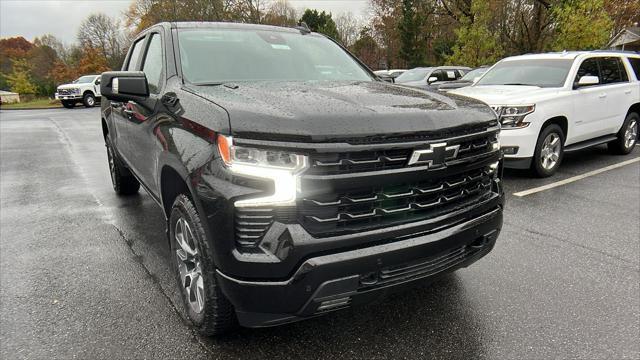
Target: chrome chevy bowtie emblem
<point x="435" y="155"/>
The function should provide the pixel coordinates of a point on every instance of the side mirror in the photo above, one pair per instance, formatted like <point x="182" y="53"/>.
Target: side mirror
<point x="97" y="81"/>
<point x="432" y="79"/>
<point x="588" y="81"/>
<point x="124" y="85"/>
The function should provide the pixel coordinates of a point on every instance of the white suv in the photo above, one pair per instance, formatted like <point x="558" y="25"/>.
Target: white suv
<point x="554" y="103"/>
<point x="85" y="90"/>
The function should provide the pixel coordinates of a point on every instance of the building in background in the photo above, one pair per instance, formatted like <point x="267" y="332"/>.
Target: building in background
<point x="627" y="39"/>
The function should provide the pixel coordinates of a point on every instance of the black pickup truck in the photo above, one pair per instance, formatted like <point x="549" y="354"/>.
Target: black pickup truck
<point x="294" y="182"/>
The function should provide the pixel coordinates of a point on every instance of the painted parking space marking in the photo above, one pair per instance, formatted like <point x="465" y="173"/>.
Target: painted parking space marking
<point x="575" y="178"/>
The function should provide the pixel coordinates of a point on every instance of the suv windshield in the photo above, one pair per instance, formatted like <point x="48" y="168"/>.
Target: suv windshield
<point x="474" y="74"/>
<point x="213" y="56"/>
<point x="84" y="79"/>
<point x="532" y="72"/>
<point x="412" y="75"/>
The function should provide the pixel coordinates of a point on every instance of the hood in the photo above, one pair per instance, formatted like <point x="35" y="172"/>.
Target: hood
<point x="413" y="83"/>
<point x="454" y="84"/>
<point x="69" y="86"/>
<point x="506" y="94"/>
<point x="321" y="111"/>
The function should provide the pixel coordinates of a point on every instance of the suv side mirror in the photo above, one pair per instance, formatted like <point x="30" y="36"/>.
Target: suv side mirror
<point x="432" y="79"/>
<point x="588" y="81"/>
<point x="124" y="85"/>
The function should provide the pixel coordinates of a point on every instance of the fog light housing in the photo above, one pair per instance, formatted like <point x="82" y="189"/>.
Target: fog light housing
<point x="510" y="150"/>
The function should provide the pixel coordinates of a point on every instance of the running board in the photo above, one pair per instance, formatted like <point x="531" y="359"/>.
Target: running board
<point x="589" y="143"/>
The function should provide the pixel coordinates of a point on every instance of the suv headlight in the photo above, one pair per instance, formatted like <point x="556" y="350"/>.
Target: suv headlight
<point x="281" y="167"/>
<point x="512" y="117"/>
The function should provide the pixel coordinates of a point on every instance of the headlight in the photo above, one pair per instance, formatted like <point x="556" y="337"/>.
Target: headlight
<point x="513" y="116"/>
<point x="281" y="167"/>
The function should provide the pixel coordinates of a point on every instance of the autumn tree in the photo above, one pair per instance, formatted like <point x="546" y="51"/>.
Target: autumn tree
<point x="581" y="25"/>
<point x="366" y="49"/>
<point x="100" y="32"/>
<point x="320" y="22"/>
<point x="280" y="13"/>
<point x="348" y="27"/>
<point x="20" y="80"/>
<point x="476" y="44"/>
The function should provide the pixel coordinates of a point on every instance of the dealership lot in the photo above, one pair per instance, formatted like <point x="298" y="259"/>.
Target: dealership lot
<point x="85" y="273"/>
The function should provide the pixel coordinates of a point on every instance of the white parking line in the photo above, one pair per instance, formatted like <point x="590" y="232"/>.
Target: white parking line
<point x="575" y="178"/>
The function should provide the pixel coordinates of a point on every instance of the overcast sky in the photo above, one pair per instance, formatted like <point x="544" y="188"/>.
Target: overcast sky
<point x="31" y="18"/>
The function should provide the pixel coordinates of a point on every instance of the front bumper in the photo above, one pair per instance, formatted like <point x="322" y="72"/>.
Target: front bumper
<point x="68" y="97"/>
<point x="334" y="281"/>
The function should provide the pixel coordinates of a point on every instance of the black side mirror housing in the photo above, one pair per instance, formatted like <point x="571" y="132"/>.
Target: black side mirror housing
<point x="124" y="85"/>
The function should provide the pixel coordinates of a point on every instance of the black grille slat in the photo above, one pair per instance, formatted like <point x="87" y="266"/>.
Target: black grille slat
<point x="424" y="268"/>
<point x="251" y="225"/>
<point x="376" y="160"/>
<point x="381" y="207"/>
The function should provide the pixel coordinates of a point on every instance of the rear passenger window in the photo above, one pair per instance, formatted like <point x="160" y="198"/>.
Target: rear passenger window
<point x="135" y="55"/>
<point x="589" y="67"/>
<point x="635" y="65"/>
<point x="610" y="70"/>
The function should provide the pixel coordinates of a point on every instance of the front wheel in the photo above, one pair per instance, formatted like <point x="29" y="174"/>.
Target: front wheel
<point x="549" y="151"/>
<point x="88" y="100"/>
<point x="124" y="183"/>
<point x="207" y="307"/>
<point x="627" y="136"/>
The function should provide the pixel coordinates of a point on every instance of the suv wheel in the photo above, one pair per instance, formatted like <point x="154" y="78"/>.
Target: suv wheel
<point x="123" y="182"/>
<point x="68" y="104"/>
<point x="549" y="151"/>
<point x="88" y="100"/>
<point x="627" y="136"/>
<point x="206" y="305"/>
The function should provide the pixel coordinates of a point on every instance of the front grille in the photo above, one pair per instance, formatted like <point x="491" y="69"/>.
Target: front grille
<point x="251" y="225"/>
<point x="66" y="91"/>
<point x="469" y="147"/>
<point x="370" y="208"/>
<point x="418" y="269"/>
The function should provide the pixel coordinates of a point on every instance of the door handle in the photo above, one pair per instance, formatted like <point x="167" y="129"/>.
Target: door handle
<point x="116" y="105"/>
<point x="602" y="96"/>
<point x="627" y="91"/>
<point x="128" y="112"/>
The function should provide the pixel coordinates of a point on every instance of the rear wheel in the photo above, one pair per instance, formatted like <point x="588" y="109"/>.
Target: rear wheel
<point x="124" y="183"/>
<point x="549" y="151"/>
<point x="627" y="136"/>
<point x="68" y="104"/>
<point x="207" y="307"/>
<point x="88" y="100"/>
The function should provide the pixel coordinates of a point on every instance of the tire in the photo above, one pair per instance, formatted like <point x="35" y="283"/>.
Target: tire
<point x="208" y="309"/>
<point x="124" y="183"/>
<point x="627" y="136"/>
<point x="547" y="156"/>
<point x="68" y="104"/>
<point x="89" y="100"/>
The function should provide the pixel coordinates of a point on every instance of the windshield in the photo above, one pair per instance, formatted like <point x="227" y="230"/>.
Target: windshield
<point x="474" y="74"/>
<point x="84" y="79"/>
<point x="532" y="72"/>
<point x="213" y="56"/>
<point x="413" y="75"/>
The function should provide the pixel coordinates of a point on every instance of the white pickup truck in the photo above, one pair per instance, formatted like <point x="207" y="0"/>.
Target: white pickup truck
<point x="551" y="104"/>
<point x="85" y="90"/>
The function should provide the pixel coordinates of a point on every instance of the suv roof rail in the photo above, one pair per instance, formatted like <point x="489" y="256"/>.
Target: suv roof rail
<point x="615" y="51"/>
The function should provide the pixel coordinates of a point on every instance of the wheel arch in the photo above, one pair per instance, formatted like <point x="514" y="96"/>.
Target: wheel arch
<point x="88" y="91"/>
<point x="105" y="128"/>
<point x="561" y="121"/>
<point x="634" y="108"/>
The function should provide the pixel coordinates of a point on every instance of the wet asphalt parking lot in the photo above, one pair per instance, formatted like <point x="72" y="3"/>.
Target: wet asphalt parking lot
<point x="85" y="274"/>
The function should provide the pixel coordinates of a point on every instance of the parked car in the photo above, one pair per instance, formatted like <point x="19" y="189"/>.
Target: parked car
<point x="468" y="79"/>
<point x="551" y="104"/>
<point x="389" y="75"/>
<point x="430" y="77"/>
<point x="293" y="182"/>
<point x="85" y="90"/>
